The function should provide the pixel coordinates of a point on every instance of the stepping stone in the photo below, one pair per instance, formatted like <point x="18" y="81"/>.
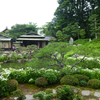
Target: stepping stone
<point x="85" y="93"/>
<point x="54" y="91"/>
<point x="29" y="97"/>
<point x="97" y="94"/>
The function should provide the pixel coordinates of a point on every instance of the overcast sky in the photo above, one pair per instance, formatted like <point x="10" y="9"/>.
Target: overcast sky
<point x="24" y="11"/>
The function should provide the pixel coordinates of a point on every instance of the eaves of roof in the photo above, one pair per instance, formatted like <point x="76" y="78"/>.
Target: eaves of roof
<point x="33" y="39"/>
<point x="5" y="39"/>
<point x="31" y="36"/>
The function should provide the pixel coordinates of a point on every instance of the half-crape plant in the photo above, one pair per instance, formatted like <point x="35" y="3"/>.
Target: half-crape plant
<point x="19" y="75"/>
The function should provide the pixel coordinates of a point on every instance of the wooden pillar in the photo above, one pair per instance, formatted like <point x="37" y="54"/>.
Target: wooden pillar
<point x="38" y="44"/>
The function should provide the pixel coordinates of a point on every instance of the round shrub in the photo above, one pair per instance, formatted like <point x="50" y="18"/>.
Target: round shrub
<point x="69" y="80"/>
<point x="41" y="81"/>
<point x="12" y="85"/>
<point x="47" y="91"/>
<point x="82" y="77"/>
<point x="94" y="83"/>
<point x="50" y="77"/>
<point x="82" y="83"/>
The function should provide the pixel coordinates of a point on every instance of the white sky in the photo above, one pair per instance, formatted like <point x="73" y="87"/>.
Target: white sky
<point x="24" y="11"/>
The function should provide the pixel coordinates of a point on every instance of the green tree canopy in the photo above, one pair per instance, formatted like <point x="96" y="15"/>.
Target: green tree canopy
<point x="20" y="29"/>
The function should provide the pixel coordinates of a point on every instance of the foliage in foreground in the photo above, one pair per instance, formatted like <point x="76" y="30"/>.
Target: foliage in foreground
<point x="94" y="83"/>
<point x="69" y="80"/>
<point x="18" y="93"/>
<point x="62" y="93"/>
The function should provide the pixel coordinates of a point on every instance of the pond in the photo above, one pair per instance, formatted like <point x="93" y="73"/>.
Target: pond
<point x="15" y="65"/>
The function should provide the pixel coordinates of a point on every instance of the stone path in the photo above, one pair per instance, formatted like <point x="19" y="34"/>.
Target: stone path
<point x="87" y="94"/>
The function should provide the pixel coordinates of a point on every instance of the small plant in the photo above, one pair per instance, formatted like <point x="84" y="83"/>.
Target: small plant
<point x="94" y="83"/>
<point x="18" y="93"/>
<point x="69" y="80"/>
<point x="31" y="80"/>
<point x="12" y="85"/>
<point x="81" y="77"/>
<point x="41" y="81"/>
<point x="51" y="77"/>
<point x="82" y="83"/>
<point x="3" y="57"/>
<point x="49" y="91"/>
<point x="65" y="93"/>
<point x="48" y="96"/>
<point x="40" y="95"/>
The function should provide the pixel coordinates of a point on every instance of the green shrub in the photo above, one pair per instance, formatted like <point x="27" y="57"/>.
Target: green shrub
<point x="94" y="83"/>
<point x="40" y="95"/>
<point x="19" y="75"/>
<point x="12" y="85"/>
<point x="3" y="88"/>
<point x="3" y="58"/>
<point x="69" y="80"/>
<point x="18" y="93"/>
<point x="81" y="77"/>
<point x="48" y="96"/>
<point x="81" y="41"/>
<point x="48" y="91"/>
<point x="82" y="83"/>
<point x="65" y="93"/>
<point x="50" y="77"/>
<point x="32" y="73"/>
<point x="41" y="81"/>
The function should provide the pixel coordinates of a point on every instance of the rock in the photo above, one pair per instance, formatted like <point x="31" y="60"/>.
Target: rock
<point x="75" y="90"/>
<point x="71" y="41"/>
<point x="29" y="97"/>
<point x="23" y="60"/>
<point x="5" y="61"/>
<point x="86" y="93"/>
<point x="79" y="44"/>
<point x="54" y="91"/>
<point x="75" y="55"/>
<point x="30" y="60"/>
<point x="19" y="61"/>
<point x="97" y="94"/>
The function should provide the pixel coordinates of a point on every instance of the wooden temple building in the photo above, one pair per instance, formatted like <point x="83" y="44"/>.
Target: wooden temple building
<point x="33" y="38"/>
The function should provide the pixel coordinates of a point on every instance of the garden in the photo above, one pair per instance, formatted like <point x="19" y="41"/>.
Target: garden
<point x="58" y="64"/>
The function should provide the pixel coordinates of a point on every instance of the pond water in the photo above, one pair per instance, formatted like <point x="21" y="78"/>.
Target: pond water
<point x="15" y="65"/>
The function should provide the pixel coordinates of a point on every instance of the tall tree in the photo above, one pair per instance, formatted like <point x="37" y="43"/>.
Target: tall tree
<point x="94" y="25"/>
<point x="20" y="29"/>
<point x="49" y="29"/>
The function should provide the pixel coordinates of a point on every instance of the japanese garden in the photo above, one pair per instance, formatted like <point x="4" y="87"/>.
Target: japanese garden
<point x="60" y="63"/>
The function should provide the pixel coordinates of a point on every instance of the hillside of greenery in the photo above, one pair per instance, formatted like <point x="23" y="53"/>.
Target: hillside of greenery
<point x="93" y="46"/>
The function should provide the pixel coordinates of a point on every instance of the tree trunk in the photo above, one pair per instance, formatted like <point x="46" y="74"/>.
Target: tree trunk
<point x="95" y="29"/>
